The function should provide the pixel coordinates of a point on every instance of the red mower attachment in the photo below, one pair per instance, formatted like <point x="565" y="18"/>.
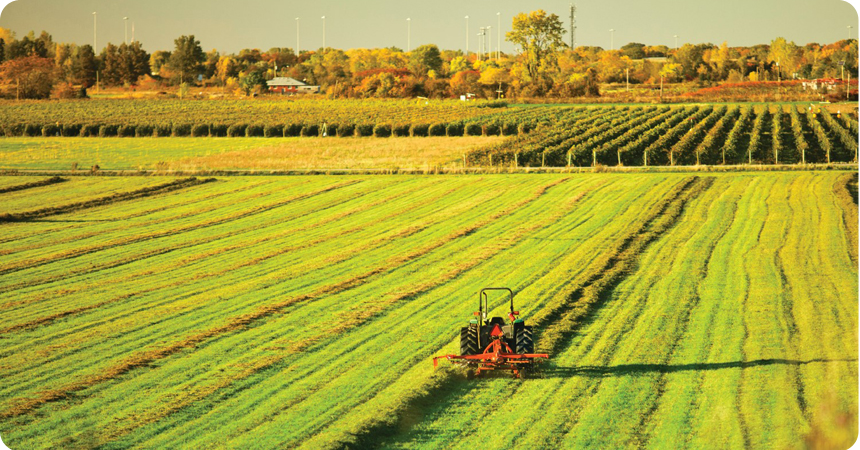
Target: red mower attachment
<point x="505" y="346"/>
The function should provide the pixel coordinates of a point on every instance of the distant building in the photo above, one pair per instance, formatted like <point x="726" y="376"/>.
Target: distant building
<point x="287" y="85"/>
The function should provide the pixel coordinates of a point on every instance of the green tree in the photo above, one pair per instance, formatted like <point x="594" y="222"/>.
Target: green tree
<point x="539" y="37"/>
<point x="424" y="59"/>
<point x="111" y="73"/>
<point x="84" y="66"/>
<point x="158" y="60"/>
<point x="252" y="82"/>
<point x="634" y="50"/>
<point x="187" y="58"/>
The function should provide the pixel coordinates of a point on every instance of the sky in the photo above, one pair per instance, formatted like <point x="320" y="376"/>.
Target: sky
<point x="229" y="25"/>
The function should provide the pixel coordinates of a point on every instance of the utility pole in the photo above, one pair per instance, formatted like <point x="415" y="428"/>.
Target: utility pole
<point x="408" y="34"/>
<point x="572" y="26"/>
<point x="612" y="39"/>
<point x="323" y="19"/>
<point x="132" y="32"/>
<point x="676" y="41"/>
<point x="125" y="19"/>
<point x="95" y="34"/>
<point x="298" y="45"/>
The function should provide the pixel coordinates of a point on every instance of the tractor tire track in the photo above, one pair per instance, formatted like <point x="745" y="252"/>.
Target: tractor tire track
<point x="21" y="406"/>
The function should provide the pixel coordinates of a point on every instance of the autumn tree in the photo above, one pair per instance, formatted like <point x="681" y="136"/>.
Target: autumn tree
<point x="786" y="54"/>
<point x="28" y="77"/>
<point x="539" y="37"/>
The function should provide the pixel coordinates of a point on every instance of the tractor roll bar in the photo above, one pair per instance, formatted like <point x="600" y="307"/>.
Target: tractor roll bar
<point x="483" y="300"/>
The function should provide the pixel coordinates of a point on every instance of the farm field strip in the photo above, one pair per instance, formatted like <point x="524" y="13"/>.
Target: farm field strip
<point x="457" y="407"/>
<point x="351" y="356"/>
<point x="183" y="223"/>
<point x="448" y="212"/>
<point x="28" y="236"/>
<point x="356" y="422"/>
<point x="631" y="385"/>
<point x="257" y="280"/>
<point x="319" y="315"/>
<point x="60" y="193"/>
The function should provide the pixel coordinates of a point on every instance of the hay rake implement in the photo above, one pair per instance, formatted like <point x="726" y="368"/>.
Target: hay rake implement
<point x="503" y="346"/>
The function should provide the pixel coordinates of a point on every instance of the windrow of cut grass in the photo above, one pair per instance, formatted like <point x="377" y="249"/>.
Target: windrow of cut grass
<point x="311" y="324"/>
<point x="114" y="198"/>
<point x="347" y="283"/>
<point x="31" y="184"/>
<point x="85" y="320"/>
<point x="733" y="330"/>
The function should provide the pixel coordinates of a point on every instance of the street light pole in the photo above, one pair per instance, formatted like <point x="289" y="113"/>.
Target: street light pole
<point x="467" y="37"/>
<point x="95" y="35"/>
<point x="676" y="41"/>
<point x="849" y="32"/>
<point x="408" y="34"/>
<point x="125" y="19"/>
<point x="489" y="43"/>
<point x="298" y="42"/>
<point x="499" y="40"/>
<point x="323" y="19"/>
<point x="612" y="39"/>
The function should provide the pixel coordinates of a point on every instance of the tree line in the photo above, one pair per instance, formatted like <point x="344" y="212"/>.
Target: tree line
<point x="543" y="66"/>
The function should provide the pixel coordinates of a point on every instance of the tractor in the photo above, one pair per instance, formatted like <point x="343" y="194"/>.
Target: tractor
<point x="492" y="344"/>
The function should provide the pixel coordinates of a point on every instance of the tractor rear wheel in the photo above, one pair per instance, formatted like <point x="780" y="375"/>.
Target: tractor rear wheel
<point x="468" y="341"/>
<point x="525" y="342"/>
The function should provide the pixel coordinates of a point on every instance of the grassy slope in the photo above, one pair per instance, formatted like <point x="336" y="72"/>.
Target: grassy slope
<point x="303" y="310"/>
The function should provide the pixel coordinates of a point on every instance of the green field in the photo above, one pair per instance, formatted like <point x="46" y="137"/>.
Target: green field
<point x="206" y="154"/>
<point x="715" y="311"/>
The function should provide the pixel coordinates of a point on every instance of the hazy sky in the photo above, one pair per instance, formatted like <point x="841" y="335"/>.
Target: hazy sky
<point x="230" y="25"/>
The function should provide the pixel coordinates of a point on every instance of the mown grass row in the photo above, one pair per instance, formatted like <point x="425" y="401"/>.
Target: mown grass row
<point x="312" y="325"/>
<point x="708" y="343"/>
<point x="58" y="355"/>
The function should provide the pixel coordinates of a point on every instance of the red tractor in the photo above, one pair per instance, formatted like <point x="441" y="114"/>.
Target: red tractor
<point x="494" y="345"/>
